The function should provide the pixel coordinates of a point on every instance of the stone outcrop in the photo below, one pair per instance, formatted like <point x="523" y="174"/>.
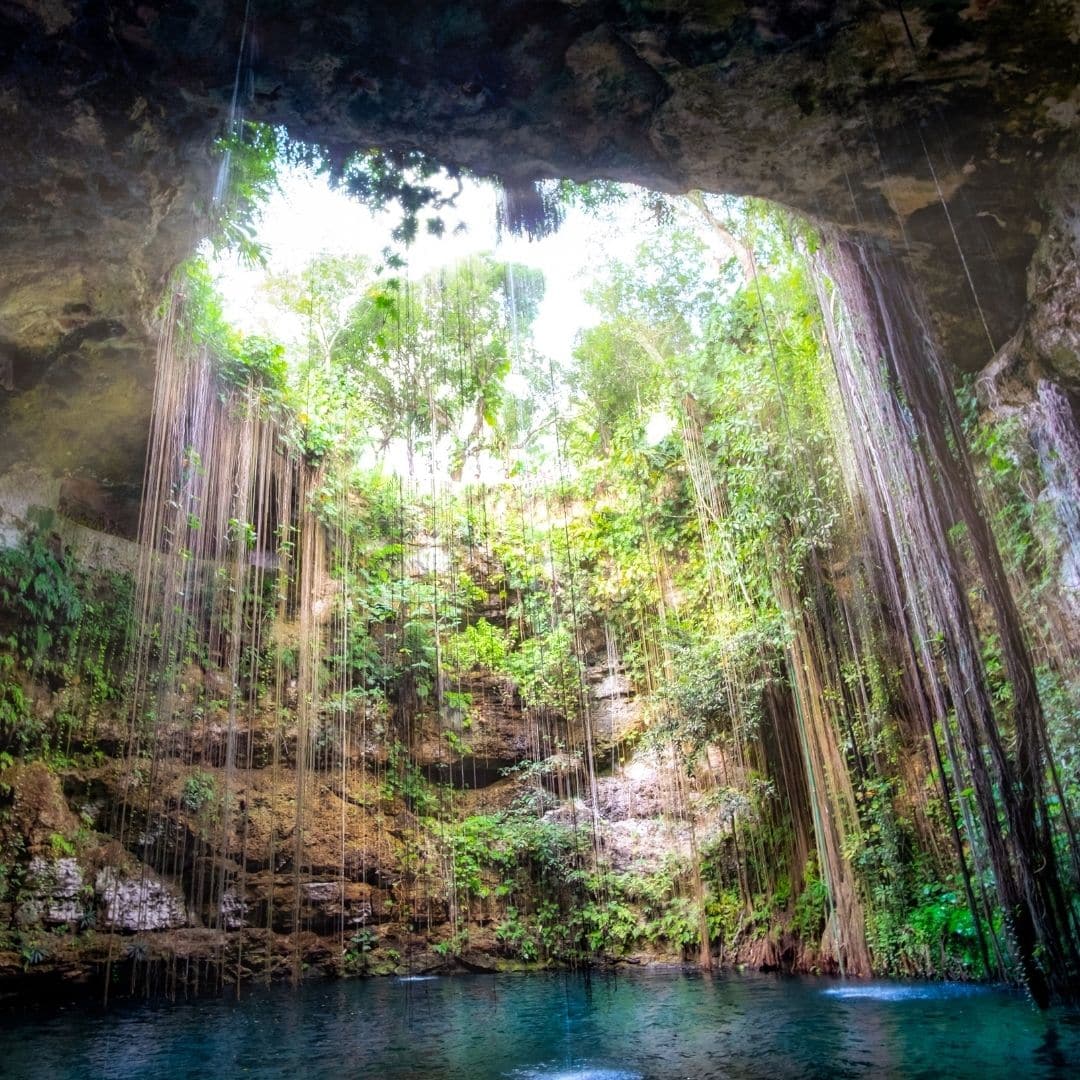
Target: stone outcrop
<point x="56" y="895"/>
<point x="138" y="902"/>
<point x="1034" y="380"/>
<point x="933" y="128"/>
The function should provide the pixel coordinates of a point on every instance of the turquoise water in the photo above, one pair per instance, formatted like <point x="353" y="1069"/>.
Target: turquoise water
<point x="656" y="1025"/>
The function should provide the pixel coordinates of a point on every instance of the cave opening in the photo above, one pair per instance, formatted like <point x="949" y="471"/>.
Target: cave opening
<point x="542" y="574"/>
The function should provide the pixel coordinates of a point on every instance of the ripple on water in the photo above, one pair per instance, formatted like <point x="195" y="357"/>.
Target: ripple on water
<point x="560" y="1027"/>
<point x="582" y="1072"/>
<point x="417" y="978"/>
<point x="892" y="992"/>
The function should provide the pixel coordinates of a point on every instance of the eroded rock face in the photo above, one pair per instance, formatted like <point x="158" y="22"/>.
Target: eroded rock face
<point x="1051" y="329"/>
<point x="1035" y="381"/>
<point x="931" y="127"/>
<point x="38" y="811"/>
<point x="55" y="892"/>
<point x="140" y="902"/>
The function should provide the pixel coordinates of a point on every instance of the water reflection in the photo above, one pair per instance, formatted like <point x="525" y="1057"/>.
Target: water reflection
<point x="636" y="1026"/>
<point x="903" y="991"/>
<point x="585" y="1072"/>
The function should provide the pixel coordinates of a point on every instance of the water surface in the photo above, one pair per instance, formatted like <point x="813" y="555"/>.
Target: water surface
<point x="634" y="1026"/>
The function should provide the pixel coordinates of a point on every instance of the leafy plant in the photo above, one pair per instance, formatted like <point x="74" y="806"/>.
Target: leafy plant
<point x="248" y="176"/>
<point x="357" y="957"/>
<point x="38" y="590"/>
<point x="516" y="937"/>
<point x="479" y="646"/>
<point x="34" y="954"/>
<point x="61" y="845"/>
<point x="19" y="729"/>
<point x="200" y="789"/>
<point x="405" y="780"/>
<point x="808" y="917"/>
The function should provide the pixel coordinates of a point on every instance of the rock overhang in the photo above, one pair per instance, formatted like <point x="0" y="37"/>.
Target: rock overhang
<point x="933" y="128"/>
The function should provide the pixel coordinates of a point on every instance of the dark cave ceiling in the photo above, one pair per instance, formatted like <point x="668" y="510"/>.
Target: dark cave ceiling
<point x="932" y="128"/>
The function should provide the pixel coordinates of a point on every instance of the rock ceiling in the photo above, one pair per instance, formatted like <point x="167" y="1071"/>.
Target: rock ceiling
<point x="939" y="128"/>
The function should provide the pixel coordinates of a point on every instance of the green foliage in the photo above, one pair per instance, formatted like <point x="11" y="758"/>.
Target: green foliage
<point x="60" y="845"/>
<point x="382" y="178"/>
<point x="517" y="937"/>
<point x="481" y="645"/>
<point x="428" y="359"/>
<point x="239" y="361"/>
<point x="404" y="780"/>
<point x="200" y="789"/>
<point x="453" y="946"/>
<point x="1010" y="474"/>
<point x="933" y="934"/>
<point x="357" y="958"/>
<point x="417" y="655"/>
<point x="808" y="916"/>
<point x="19" y="729"/>
<point x="719" y="684"/>
<point x="254" y="359"/>
<point x="40" y="595"/>
<point x="608" y="926"/>
<point x="556" y="908"/>
<point x="915" y="925"/>
<point x="1061" y="702"/>
<point x="724" y="914"/>
<point x="592" y="197"/>
<point x="250" y="158"/>
<point x="547" y="671"/>
<point x="61" y="623"/>
<point x="34" y="954"/>
<point x="942" y="923"/>
<point x="698" y="517"/>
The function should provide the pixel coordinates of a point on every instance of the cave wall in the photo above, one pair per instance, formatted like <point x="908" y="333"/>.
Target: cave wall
<point x="939" y="128"/>
<point x="1034" y="379"/>
<point x="943" y="130"/>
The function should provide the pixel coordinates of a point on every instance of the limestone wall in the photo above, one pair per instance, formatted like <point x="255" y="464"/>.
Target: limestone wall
<point x="25" y="490"/>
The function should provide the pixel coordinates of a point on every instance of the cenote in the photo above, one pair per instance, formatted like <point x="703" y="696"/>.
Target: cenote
<point x="493" y="492"/>
<point x="636" y="1026"/>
